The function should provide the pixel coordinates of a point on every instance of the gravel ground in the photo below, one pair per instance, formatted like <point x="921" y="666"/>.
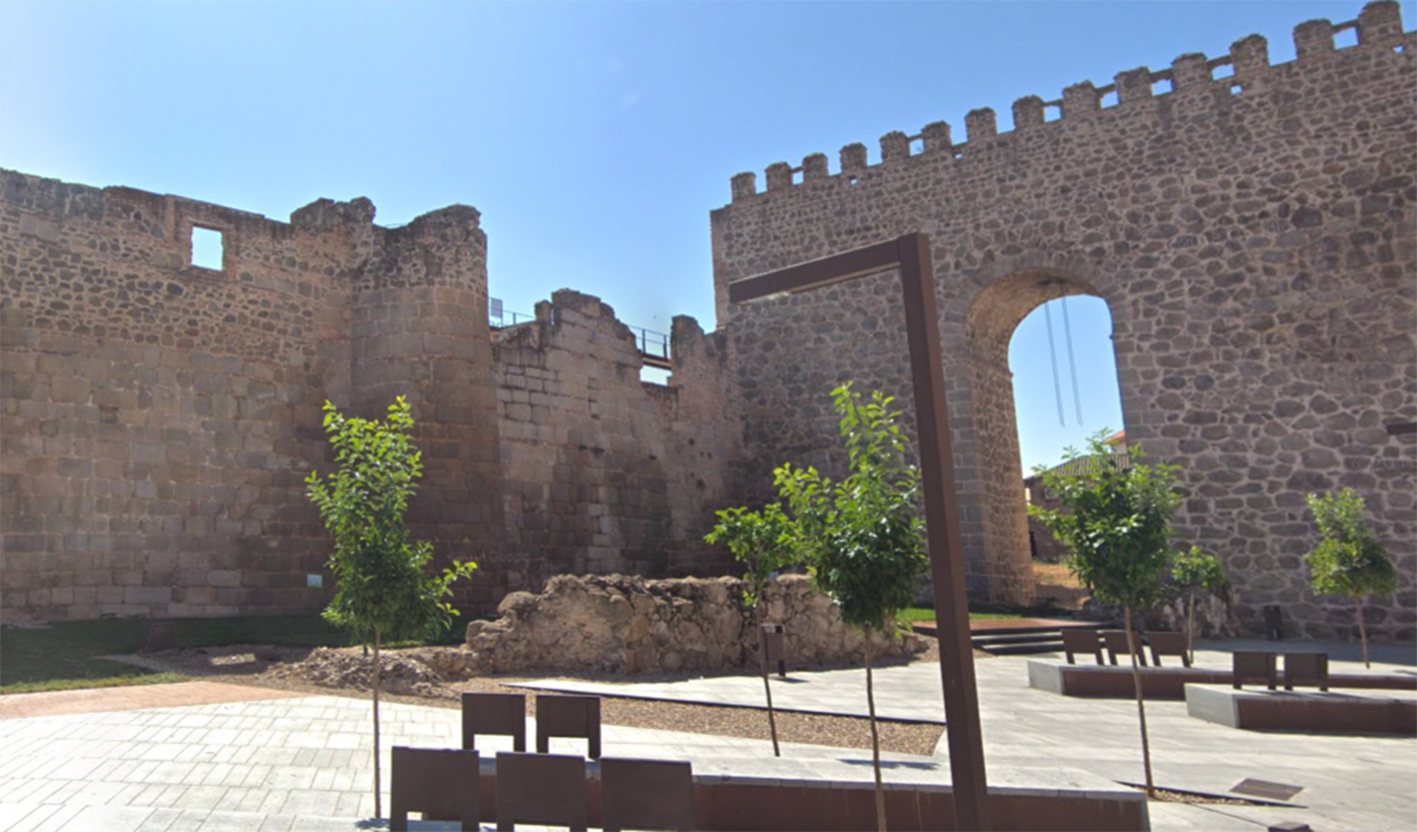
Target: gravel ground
<point x="238" y="664"/>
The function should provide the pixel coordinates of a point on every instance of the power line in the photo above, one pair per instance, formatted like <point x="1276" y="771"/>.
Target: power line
<point x="1053" y="359"/>
<point x="1072" y="365"/>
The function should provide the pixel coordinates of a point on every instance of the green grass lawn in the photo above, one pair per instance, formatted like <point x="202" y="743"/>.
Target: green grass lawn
<point x="988" y="612"/>
<point x="60" y="656"/>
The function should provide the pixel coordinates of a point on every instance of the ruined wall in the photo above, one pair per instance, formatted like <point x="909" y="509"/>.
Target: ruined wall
<point x="605" y="473"/>
<point x="1252" y="234"/>
<point x="155" y="416"/>
<point x="157" y="419"/>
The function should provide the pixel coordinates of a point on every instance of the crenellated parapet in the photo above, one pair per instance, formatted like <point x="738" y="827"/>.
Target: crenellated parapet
<point x="1246" y="67"/>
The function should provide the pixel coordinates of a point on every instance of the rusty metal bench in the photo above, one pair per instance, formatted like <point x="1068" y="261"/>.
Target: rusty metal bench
<point x="1116" y="642"/>
<point x="1083" y="642"/>
<point x="1168" y="644"/>
<point x="497" y="714"/>
<point x="544" y="789"/>
<point x="1306" y="669"/>
<point x="568" y="716"/>
<point x="646" y="794"/>
<point x="441" y="783"/>
<point x="1254" y="666"/>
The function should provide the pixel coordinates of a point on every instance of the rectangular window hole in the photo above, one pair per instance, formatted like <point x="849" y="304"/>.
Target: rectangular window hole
<point x="1161" y="87"/>
<point x="655" y="375"/>
<point x="1110" y="99"/>
<point x="1344" y="38"/>
<point x="917" y="146"/>
<point x="1222" y="71"/>
<point x="798" y="177"/>
<point x="1052" y="112"/>
<point x="207" y="249"/>
<point x="851" y="180"/>
<point x="1236" y="88"/>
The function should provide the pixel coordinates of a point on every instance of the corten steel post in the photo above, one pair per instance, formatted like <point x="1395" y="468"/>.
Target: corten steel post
<point x="911" y="255"/>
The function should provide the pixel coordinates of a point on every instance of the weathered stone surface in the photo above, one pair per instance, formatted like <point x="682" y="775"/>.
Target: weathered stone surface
<point x="1255" y="239"/>
<point x="159" y="418"/>
<point x="629" y="625"/>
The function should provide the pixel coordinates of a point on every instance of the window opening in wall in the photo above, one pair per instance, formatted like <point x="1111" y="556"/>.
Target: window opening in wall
<point x="917" y="146"/>
<point x="655" y="375"/>
<point x="1398" y="49"/>
<point x="1161" y="87"/>
<point x="798" y="176"/>
<point x="1222" y="71"/>
<point x="207" y="248"/>
<point x="1052" y="112"/>
<point x="1110" y="99"/>
<point x="1344" y="38"/>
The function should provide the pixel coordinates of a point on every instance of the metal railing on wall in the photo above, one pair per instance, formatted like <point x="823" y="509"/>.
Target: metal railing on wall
<point x="650" y="342"/>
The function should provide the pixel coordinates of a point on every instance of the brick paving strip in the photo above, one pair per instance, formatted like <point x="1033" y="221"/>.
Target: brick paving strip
<point x="132" y="697"/>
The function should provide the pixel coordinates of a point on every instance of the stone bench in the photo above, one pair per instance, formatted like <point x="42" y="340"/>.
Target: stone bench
<point x="1366" y="712"/>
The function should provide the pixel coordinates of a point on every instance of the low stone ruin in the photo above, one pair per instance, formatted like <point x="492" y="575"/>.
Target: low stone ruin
<point x="626" y="624"/>
<point x="349" y="668"/>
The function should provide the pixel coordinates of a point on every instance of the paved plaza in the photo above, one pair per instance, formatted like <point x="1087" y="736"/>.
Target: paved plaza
<point x="273" y="761"/>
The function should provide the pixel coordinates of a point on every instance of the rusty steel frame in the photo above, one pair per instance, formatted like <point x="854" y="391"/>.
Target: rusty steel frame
<point x="911" y="255"/>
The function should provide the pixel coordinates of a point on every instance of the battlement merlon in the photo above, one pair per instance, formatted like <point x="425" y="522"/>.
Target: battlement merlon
<point x="1379" y="25"/>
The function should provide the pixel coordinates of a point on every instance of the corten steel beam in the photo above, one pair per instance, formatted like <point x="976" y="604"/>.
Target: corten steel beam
<point x="911" y="255"/>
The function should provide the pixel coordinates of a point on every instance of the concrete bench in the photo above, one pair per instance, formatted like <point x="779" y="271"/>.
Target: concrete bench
<point x="1309" y="711"/>
<point x="1170" y="682"/>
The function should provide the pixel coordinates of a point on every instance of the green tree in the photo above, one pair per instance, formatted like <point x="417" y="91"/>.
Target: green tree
<point x="1195" y="572"/>
<point x="765" y="542"/>
<point x="1114" y="517"/>
<point x="1348" y="559"/>
<point x="385" y="592"/>
<point x="862" y="537"/>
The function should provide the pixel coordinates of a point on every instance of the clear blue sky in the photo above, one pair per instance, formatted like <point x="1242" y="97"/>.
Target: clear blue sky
<point x="595" y="138"/>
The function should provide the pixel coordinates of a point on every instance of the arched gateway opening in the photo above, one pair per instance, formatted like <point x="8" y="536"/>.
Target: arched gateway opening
<point x="993" y="319"/>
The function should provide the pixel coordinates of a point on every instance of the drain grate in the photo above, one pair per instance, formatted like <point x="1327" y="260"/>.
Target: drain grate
<point x="1265" y="789"/>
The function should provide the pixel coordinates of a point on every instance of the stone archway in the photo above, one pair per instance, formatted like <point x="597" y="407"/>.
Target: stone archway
<point x="990" y="323"/>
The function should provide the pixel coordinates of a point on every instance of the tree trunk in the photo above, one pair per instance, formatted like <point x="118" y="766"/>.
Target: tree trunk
<point x="1191" y="627"/>
<point x="767" y="688"/>
<point x="1141" y="705"/>
<point x="378" y="793"/>
<point x="875" y="743"/>
<point x="1362" y="632"/>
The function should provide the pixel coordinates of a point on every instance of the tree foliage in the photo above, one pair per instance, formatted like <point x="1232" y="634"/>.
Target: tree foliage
<point x="1115" y="520"/>
<point x="1197" y="570"/>
<point x="763" y="541"/>
<point x="1348" y="560"/>
<point x="384" y="587"/>
<point x="862" y="536"/>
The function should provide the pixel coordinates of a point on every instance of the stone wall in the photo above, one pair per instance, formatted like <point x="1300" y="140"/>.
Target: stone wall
<point x="1252" y="229"/>
<point x="157" y="419"/>
<point x="605" y="473"/>
<point x="623" y="624"/>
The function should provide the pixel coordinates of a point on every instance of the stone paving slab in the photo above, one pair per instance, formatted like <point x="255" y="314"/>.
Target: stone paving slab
<point x="130" y="697"/>
<point x="1349" y="781"/>
<point x="904" y="693"/>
